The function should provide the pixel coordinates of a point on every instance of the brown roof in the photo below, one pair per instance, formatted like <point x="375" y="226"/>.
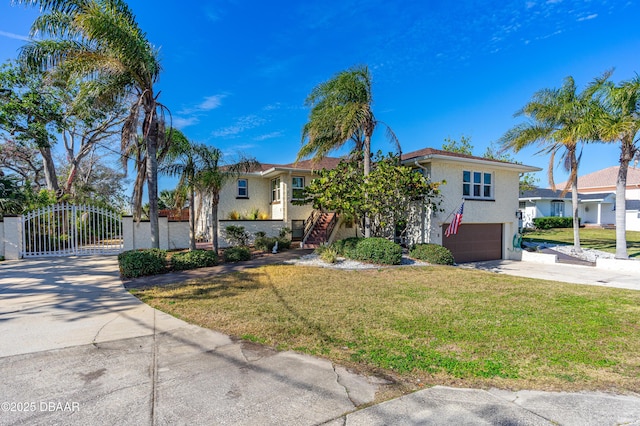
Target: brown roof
<point x="324" y="163"/>
<point x="605" y="178"/>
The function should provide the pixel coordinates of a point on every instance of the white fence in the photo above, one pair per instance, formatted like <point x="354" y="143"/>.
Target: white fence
<point x="135" y="235"/>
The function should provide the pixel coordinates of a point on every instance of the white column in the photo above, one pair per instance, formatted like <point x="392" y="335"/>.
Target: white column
<point x="12" y="239"/>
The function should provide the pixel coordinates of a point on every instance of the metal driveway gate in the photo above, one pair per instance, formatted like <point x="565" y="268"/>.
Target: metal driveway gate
<point x="69" y="230"/>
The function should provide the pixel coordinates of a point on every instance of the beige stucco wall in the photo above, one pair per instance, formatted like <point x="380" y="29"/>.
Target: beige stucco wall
<point x="259" y="197"/>
<point x="270" y="227"/>
<point x="501" y="209"/>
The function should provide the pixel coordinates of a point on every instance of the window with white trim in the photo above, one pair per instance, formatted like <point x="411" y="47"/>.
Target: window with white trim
<point x="243" y="188"/>
<point x="275" y="190"/>
<point x="557" y="208"/>
<point x="297" y="187"/>
<point x="477" y="185"/>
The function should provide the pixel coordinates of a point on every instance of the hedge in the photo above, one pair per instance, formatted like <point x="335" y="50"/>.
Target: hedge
<point x="373" y="250"/>
<point x="193" y="259"/>
<point x="553" y="222"/>
<point x="136" y="263"/>
<point x="237" y="254"/>
<point x="432" y="253"/>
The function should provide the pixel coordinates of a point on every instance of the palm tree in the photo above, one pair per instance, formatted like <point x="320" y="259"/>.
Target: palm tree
<point x="212" y="176"/>
<point x="560" y="119"/>
<point x="620" y="122"/>
<point x="100" y="43"/>
<point x="183" y="161"/>
<point x="341" y="112"/>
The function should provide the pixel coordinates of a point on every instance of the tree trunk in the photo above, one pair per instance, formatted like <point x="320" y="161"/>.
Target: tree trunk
<point x="152" y="176"/>
<point x="192" y="219"/>
<point x="49" y="170"/>
<point x="215" y="198"/>
<point x="367" y="170"/>
<point x="626" y="155"/>
<point x="574" y="203"/>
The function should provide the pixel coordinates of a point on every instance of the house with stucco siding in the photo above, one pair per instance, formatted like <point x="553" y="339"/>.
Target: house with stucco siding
<point x="489" y="189"/>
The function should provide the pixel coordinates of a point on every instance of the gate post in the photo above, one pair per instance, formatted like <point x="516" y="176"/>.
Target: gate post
<point x="12" y="237"/>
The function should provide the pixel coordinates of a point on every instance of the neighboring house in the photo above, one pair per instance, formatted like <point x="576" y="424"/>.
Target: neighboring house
<point x="596" y="200"/>
<point x="488" y="187"/>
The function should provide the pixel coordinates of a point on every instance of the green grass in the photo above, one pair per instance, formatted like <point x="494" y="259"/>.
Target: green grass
<point x="599" y="239"/>
<point x="430" y="325"/>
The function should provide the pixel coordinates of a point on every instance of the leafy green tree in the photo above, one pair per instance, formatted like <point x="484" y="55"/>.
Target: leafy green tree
<point x="559" y="120"/>
<point x="620" y="123"/>
<point x="100" y="43"/>
<point x="12" y="197"/>
<point x="394" y="191"/>
<point x="341" y="111"/>
<point x="30" y="116"/>
<point x="527" y="182"/>
<point x="463" y="146"/>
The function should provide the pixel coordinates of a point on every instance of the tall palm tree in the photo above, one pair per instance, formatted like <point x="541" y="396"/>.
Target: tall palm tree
<point x="183" y="161"/>
<point x="100" y="43"/>
<point x="212" y="176"/>
<point x="620" y="122"/>
<point x="341" y="112"/>
<point x="559" y="120"/>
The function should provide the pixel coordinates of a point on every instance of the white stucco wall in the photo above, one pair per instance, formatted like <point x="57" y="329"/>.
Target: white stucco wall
<point x="633" y="220"/>
<point x="270" y="227"/>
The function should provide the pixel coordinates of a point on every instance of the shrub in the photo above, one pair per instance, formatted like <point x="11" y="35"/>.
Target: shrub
<point x="237" y="254"/>
<point x="267" y="243"/>
<point x="234" y="215"/>
<point x="346" y="247"/>
<point x="432" y="253"/>
<point x="194" y="259"/>
<point x="328" y="254"/>
<point x="378" y="250"/>
<point x="553" y="222"/>
<point x="137" y="263"/>
<point x="236" y="235"/>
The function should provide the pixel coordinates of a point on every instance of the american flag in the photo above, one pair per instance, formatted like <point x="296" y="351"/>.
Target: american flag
<point x="455" y="223"/>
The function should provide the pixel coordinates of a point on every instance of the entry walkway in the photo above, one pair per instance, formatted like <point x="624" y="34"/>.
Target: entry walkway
<point x="77" y="348"/>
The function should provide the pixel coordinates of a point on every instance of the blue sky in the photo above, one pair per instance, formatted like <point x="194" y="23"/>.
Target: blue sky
<point x="236" y="73"/>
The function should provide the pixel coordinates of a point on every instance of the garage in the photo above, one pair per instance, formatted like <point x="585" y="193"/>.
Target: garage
<point x="475" y="242"/>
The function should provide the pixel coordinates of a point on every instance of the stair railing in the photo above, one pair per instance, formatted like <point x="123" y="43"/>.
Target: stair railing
<point x="308" y="225"/>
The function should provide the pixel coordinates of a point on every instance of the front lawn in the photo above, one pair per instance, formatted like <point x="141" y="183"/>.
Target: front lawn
<point x="595" y="238"/>
<point x="427" y="325"/>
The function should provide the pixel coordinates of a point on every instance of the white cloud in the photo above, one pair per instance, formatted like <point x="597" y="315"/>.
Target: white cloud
<point x="14" y="36"/>
<point x="181" y="122"/>
<point x="211" y="102"/>
<point x="243" y="123"/>
<point x="587" y="18"/>
<point x="271" y="135"/>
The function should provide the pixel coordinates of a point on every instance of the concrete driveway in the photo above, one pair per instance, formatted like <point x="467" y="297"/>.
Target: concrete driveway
<point x="76" y="348"/>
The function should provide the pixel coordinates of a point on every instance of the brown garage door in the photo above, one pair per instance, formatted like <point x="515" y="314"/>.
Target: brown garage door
<point x="475" y="242"/>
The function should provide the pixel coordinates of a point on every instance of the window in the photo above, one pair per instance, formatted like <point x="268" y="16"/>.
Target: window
<point x="477" y="184"/>
<point x="243" y="188"/>
<point x="557" y="208"/>
<point x="275" y="190"/>
<point x="297" y="187"/>
<point x="522" y="205"/>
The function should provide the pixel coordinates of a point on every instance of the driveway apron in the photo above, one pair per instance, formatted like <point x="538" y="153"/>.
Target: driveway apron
<point x="79" y="349"/>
